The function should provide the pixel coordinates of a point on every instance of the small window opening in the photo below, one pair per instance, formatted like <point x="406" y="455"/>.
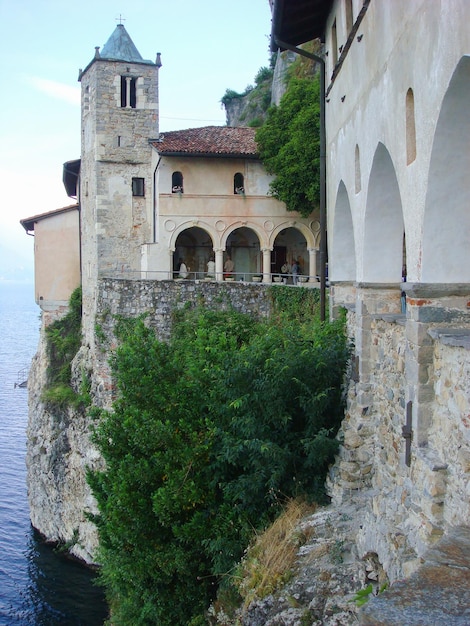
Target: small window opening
<point x="349" y="15"/>
<point x="239" y="184"/>
<point x="410" y="127"/>
<point x="138" y="187"/>
<point x="334" y="44"/>
<point x="133" y="96"/>
<point x="128" y="92"/>
<point x="177" y="182"/>
<point x="357" y="163"/>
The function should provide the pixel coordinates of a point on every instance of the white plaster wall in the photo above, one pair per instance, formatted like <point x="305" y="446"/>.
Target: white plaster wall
<point x="213" y="176"/>
<point x="56" y="259"/>
<point x="417" y="44"/>
<point x="404" y="44"/>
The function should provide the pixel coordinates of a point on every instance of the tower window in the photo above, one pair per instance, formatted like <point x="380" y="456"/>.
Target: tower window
<point x="239" y="184"/>
<point x="177" y="182"/>
<point x="138" y="187"/>
<point x="128" y="92"/>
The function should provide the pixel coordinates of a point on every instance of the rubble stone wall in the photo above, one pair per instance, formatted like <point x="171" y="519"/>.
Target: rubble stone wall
<point x="417" y="362"/>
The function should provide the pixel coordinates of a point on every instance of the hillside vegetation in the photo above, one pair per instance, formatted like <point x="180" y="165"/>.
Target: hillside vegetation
<point x="249" y="107"/>
<point x="288" y="134"/>
<point x="210" y="435"/>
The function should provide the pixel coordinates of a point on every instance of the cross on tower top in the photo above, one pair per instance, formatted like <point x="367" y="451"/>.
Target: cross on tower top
<point x="120" y="18"/>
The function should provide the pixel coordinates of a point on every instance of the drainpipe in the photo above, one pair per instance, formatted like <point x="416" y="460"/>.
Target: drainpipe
<point x="321" y="62"/>
<point x="154" y="201"/>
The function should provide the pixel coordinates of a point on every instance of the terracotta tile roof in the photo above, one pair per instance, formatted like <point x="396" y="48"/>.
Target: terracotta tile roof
<point x="224" y="141"/>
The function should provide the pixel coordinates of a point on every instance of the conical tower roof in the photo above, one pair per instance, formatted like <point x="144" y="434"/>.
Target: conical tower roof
<point x="120" y="47"/>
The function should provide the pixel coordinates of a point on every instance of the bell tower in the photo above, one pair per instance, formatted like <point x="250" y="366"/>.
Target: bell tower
<point x="119" y="115"/>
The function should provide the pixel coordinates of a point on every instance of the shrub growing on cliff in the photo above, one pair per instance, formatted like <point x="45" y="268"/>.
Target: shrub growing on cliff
<point x="63" y="340"/>
<point x="210" y="433"/>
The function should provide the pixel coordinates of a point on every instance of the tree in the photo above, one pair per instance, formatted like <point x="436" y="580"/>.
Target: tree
<point x="211" y="432"/>
<point x="289" y="146"/>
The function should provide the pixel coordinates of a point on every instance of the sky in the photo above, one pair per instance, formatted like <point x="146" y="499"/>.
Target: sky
<point x="207" y="46"/>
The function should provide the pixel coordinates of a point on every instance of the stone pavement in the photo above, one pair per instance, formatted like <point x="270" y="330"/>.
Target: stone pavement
<point x="437" y="594"/>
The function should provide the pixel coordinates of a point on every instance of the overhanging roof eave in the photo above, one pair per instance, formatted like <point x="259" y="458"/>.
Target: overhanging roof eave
<point x="299" y="21"/>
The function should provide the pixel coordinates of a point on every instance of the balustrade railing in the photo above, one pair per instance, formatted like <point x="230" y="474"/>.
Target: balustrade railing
<point x="246" y="277"/>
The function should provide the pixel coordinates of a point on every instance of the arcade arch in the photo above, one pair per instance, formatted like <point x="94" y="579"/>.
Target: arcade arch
<point x="243" y="247"/>
<point x="383" y="224"/>
<point x="290" y="244"/>
<point x="446" y="227"/>
<point x="194" y="245"/>
<point x="342" y="265"/>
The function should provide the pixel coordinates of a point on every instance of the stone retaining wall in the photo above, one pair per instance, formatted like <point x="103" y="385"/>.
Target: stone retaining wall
<point x="159" y="299"/>
<point x="417" y="361"/>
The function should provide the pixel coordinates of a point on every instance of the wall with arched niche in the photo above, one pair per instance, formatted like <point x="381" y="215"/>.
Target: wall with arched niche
<point x="446" y="227"/>
<point x="342" y="258"/>
<point x="383" y="223"/>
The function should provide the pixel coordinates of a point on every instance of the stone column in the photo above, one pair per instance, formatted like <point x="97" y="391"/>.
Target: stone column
<point x="219" y="264"/>
<point x="266" y="265"/>
<point x="312" y="262"/>
<point x="171" y="252"/>
<point x="427" y="305"/>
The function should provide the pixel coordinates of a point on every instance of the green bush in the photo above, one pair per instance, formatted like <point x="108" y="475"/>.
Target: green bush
<point x="264" y="74"/>
<point x="63" y="340"/>
<point x="210" y="434"/>
<point x="289" y="146"/>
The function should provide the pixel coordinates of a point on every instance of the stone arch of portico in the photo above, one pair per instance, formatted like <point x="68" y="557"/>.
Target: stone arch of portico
<point x="191" y="224"/>
<point x="247" y="248"/>
<point x="193" y="243"/>
<point x="262" y="237"/>
<point x="294" y="241"/>
<point x="302" y="228"/>
<point x="382" y="248"/>
<point x="342" y="257"/>
<point x="446" y="226"/>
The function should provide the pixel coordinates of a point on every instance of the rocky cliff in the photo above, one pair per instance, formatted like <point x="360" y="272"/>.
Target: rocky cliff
<point x="59" y="451"/>
<point x="250" y="107"/>
<point x="59" y="446"/>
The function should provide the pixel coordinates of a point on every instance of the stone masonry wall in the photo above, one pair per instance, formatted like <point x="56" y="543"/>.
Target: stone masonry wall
<point x="449" y="433"/>
<point x="421" y="360"/>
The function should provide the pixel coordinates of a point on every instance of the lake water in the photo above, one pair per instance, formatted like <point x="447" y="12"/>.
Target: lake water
<point x="38" y="587"/>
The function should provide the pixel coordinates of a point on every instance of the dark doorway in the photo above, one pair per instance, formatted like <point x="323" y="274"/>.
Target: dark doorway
<point x="278" y="258"/>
